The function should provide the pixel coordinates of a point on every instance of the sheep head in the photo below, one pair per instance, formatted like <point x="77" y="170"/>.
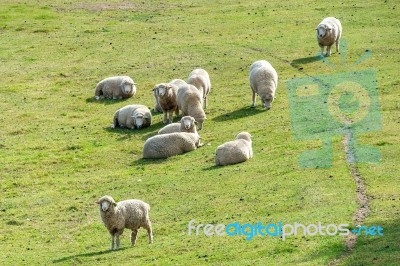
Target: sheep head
<point x="188" y="122"/>
<point x="105" y="203"/>
<point x="322" y="30"/>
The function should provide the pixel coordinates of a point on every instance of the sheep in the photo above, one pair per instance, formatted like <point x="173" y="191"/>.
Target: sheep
<point x="190" y="103"/>
<point x="175" y="83"/>
<point x="263" y="81"/>
<point x="132" y="116"/>
<point x="201" y="80"/>
<point x="167" y="145"/>
<point x="119" y="87"/>
<point x="236" y="151"/>
<point x="187" y="124"/>
<point x="329" y="32"/>
<point x="131" y="214"/>
<point x="166" y="95"/>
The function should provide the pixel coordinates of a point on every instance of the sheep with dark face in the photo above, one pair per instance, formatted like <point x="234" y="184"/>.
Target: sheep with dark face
<point x="263" y="81"/>
<point x="131" y="214"/>
<point x="119" y="87"/>
<point x="134" y="116"/>
<point x="329" y="31"/>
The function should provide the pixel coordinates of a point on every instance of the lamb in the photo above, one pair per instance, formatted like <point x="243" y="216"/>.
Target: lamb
<point x="236" y="151"/>
<point x="132" y="116"/>
<point x="187" y="124"/>
<point x="119" y="87"/>
<point x="201" y="80"/>
<point x="329" y="32"/>
<point x="190" y="103"/>
<point x="263" y="81"/>
<point x="131" y="214"/>
<point x="167" y="145"/>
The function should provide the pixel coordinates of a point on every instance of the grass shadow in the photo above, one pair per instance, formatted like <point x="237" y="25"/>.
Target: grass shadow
<point x="240" y="113"/>
<point x="144" y="132"/>
<point x="105" y="101"/>
<point x="306" y="60"/>
<point x="89" y="254"/>
<point x="212" y="167"/>
<point x="142" y="162"/>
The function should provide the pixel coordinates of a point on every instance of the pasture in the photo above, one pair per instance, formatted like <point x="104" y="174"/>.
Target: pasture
<point x="58" y="154"/>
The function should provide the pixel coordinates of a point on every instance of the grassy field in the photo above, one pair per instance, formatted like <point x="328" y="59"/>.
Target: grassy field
<point x="58" y="154"/>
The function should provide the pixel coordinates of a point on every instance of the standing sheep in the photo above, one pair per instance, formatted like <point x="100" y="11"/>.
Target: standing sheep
<point x="174" y="83"/>
<point x="187" y="124"/>
<point x="131" y="214"/>
<point x="201" y="80"/>
<point x="190" y="103"/>
<point x="166" y="95"/>
<point x="236" y="151"/>
<point x="132" y="116"/>
<point x="263" y="81"/>
<point x="167" y="145"/>
<point x="329" y="32"/>
<point x="118" y="87"/>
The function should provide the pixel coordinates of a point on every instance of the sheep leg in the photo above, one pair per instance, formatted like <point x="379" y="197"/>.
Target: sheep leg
<point x="117" y="241"/>
<point x="322" y="49"/>
<point x="253" y="99"/>
<point x="165" y="117"/>
<point x="149" y="231"/>
<point x="205" y="103"/>
<point x="328" y="50"/>
<point x="171" y="116"/>
<point x="337" y="46"/>
<point x="133" y="237"/>
<point x="112" y="242"/>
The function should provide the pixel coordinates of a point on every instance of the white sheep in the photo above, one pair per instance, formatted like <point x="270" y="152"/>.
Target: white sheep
<point x="201" y="80"/>
<point x="187" y="124"/>
<point x="167" y="145"/>
<point x="131" y="214"/>
<point x="236" y="151"/>
<point x="190" y="103"/>
<point x="263" y="81"/>
<point x="329" y="32"/>
<point x="119" y="87"/>
<point x="132" y="116"/>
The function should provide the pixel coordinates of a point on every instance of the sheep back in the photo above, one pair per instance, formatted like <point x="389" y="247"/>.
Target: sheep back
<point x="190" y="103"/>
<point x="201" y="80"/>
<point x="167" y="145"/>
<point x="236" y="151"/>
<point x="263" y="81"/>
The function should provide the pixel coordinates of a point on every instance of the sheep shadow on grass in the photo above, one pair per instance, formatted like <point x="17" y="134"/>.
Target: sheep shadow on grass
<point x="306" y="60"/>
<point x="105" y="101"/>
<point x="240" y="113"/>
<point x="128" y="133"/>
<point x="89" y="254"/>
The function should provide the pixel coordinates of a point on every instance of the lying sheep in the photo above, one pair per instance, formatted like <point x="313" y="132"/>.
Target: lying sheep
<point x="190" y="103"/>
<point x="118" y="87"/>
<point x="201" y="80"/>
<point x="167" y="145"/>
<point x="187" y="124"/>
<point x="131" y="214"/>
<point x="132" y="116"/>
<point x="236" y="151"/>
<point x="329" y="32"/>
<point x="263" y="81"/>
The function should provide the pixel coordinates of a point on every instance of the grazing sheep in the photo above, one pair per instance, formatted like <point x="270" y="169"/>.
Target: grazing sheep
<point x="132" y="116"/>
<point x="236" y="151"/>
<point x="167" y="145"/>
<point x="201" y="80"/>
<point x="329" y="32"/>
<point x="187" y="124"/>
<point x="118" y="87"/>
<point x="131" y="214"/>
<point x="263" y="81"/>
<point x="190" y="103"/>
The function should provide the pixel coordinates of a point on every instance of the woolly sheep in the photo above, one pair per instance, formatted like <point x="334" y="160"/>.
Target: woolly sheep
<point x="167" y="145"/>
<point x="132" y="116"/>
<point x="174" y="83"/>
<point x="263" y="81"/>
<point x="118" y="87"/>
<point x="131" y="214"/>
<point x="329" y="32"/>
<point x="236" y="151"/>
<point x="187" y="124"/>
<point x="166" y="99"/>
<point x="190" y="103"/>
<point x="201" y="80"/>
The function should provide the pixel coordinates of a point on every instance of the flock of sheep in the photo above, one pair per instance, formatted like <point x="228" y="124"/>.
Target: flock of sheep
<point x="191" y="98"/>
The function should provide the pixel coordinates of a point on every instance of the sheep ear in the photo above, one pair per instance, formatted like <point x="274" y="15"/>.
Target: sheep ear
<point x="195" y="122"/>
<point x="114" y="204"/>
<point x="97" y="202"/>
<point x="316" y="28"/>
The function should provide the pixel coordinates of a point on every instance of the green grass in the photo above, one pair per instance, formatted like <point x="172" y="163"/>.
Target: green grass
<point x="58" y="154"/>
